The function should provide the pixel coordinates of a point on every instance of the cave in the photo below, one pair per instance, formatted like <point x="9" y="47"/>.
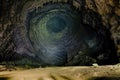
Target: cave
<point x="56" y="33"/>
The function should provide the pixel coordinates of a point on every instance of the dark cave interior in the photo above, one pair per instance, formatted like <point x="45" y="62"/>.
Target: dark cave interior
<point x="54" y="34"/>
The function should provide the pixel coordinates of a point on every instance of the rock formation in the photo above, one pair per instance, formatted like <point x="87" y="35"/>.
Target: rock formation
<point x="101" y="15"/>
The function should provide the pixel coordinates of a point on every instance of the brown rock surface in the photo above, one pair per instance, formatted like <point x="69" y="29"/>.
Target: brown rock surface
<point x="111" y="72"/>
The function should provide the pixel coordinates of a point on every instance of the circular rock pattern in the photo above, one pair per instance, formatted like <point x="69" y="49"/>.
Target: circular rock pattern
<point x="57" y="34"/>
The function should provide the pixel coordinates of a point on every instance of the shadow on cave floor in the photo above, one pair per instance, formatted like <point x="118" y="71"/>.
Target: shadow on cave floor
<point x="94" y="78"/>
<point x="4" y="78"/>
<point x="104" y="78"/>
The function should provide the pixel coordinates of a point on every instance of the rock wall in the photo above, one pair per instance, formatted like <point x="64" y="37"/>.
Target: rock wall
<point x="10" y="16"/>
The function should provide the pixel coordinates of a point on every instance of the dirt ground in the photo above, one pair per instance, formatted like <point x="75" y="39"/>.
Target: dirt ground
<point x="108" y="72"/>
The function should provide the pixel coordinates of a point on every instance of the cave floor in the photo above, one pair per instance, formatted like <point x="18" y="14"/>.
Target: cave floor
<point x="108" y="72"/>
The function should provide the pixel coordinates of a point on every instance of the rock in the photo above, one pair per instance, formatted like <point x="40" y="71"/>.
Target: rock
<point x="95" y="65"/>
<point x="102" y="15"/>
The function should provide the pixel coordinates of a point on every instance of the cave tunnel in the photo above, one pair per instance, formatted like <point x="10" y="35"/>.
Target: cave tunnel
<point x="56" y="33"/>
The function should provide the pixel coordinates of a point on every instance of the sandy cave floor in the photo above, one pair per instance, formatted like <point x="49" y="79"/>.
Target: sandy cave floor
<point x="108" y="72"/>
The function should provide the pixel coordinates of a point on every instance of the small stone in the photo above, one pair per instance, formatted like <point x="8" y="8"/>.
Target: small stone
<point x="95" y="65"/>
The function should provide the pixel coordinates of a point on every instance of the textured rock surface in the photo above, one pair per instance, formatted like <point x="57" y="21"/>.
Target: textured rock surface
<point x="64" y="73"/>
<point x="108" y="10"/>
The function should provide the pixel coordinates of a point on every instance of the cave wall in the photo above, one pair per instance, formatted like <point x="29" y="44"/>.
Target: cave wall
<point x="109" y="11"/>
